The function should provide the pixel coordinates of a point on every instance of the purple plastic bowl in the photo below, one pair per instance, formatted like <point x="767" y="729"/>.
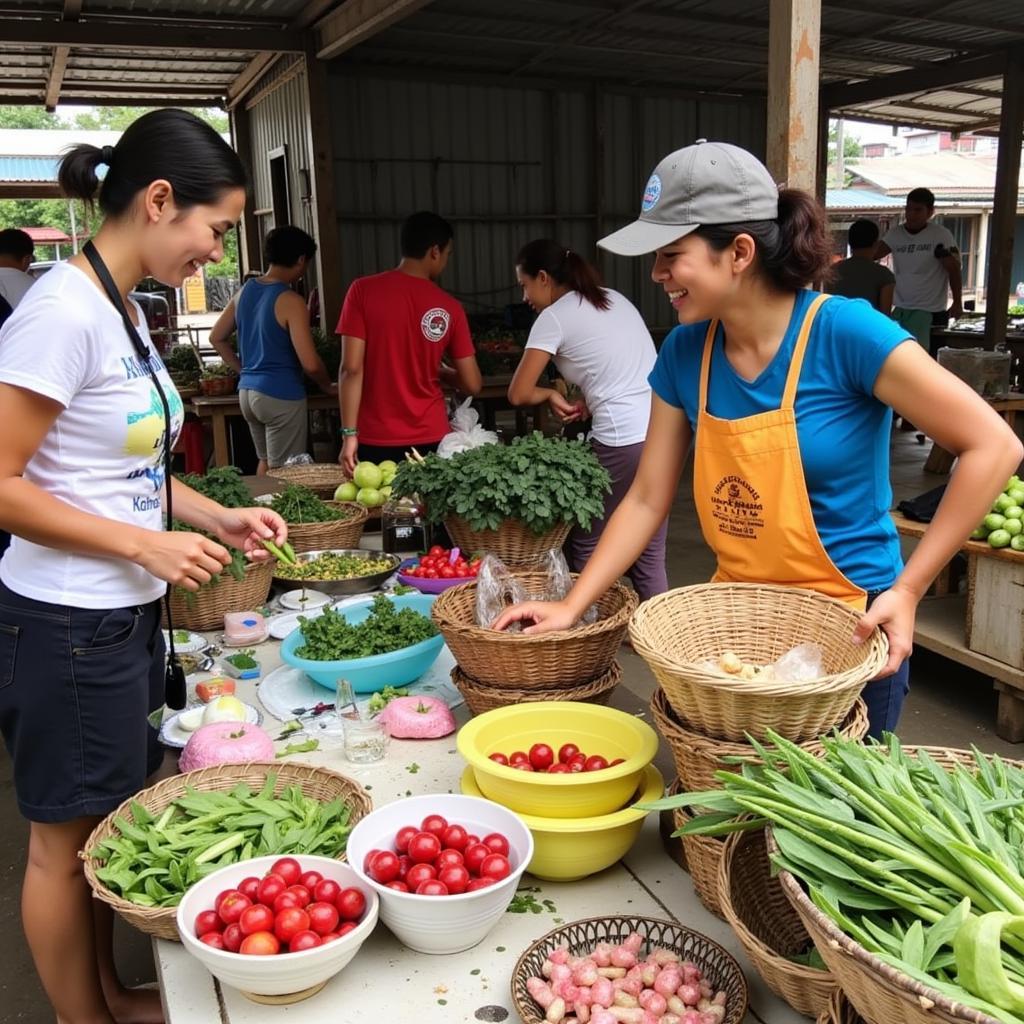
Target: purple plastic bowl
<point x="429" y="586"/>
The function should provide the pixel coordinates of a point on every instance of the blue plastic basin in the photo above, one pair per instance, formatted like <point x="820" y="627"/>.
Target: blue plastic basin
<point x="368" y="675"/>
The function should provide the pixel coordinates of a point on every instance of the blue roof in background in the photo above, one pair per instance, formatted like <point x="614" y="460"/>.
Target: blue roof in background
<point x="28" y="168"/>
<point x="859" y="199"/>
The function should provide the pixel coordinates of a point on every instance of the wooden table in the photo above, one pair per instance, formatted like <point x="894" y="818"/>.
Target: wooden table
<point x="941" y="461"/>
<point x="982" y="629"/>
<point x="220" y="408"/>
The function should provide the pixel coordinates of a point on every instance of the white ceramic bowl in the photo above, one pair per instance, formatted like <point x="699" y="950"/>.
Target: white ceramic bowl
<point x="441" y="924"/>
<point x="286" y="973"/>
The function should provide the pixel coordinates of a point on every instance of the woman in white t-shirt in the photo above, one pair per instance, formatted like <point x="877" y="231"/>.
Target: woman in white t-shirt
<point x="600" y="343"/>
<point x="82" y="489"/>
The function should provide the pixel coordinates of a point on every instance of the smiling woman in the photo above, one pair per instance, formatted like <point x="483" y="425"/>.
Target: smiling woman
<point x="89" y="414"/>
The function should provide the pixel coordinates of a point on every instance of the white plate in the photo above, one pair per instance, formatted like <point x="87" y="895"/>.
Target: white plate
<point x="172" y="735"/>
<point x="282" y="625"/>
<point x="195" y="642"/>
<point x="314" y="599"/>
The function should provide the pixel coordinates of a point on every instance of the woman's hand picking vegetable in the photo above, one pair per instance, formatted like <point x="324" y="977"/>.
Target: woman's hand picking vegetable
<point x="247" y="528"/>
<point x="546" y="616"/>
<point x="185" y="559"/>
<point x="566" y="411"/>
<point x="894" y="611"/>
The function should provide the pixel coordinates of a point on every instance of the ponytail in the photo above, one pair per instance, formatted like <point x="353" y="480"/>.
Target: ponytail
<point x="793" y="251"/>
<point x="564" y="267"/>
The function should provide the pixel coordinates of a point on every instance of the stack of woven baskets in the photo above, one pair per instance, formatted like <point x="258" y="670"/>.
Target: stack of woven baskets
<point x="495" y="669"/>
<point x="708" y="718"/>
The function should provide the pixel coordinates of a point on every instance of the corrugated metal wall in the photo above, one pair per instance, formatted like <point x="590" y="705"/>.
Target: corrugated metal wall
<point x="505" y="165"/>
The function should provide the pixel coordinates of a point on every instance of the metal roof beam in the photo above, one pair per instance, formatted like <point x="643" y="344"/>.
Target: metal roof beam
<point x="55" y="78"/>
<point x="936" y="108"/>
<point x="105" y="33"/>
<point x="930" y="16"/>
<point x="355" y="21"/>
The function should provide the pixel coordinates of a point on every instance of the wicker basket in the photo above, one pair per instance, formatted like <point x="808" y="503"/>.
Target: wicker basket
<point x="716" y="964"/>
<point x="515" y="544"/>
<point x="481" y="697"/>
<point x="335" y="533"/>
<point x="697" y="757"/>
<point x="549" y="661"/>
<point x="323" y="478"/>
<point x="205" y="609"/>
<point x="839" y="1010"/>
<point x="217" y="387"/>
<point x="768" y="928"/>
<point x="319" y="783"/>
<point x="677" y="632"/>
<point x="703" y="857"/>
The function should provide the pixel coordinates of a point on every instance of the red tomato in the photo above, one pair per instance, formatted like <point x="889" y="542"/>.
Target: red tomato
<point x="288" y="868"/>
<point x="576" y="762"/>
<point x="518" y="757"/>
<point x="430" y="574"/>
<point x="424" y="847"/>
<point x="327" y="891"/>
<point x="475" y="855"/>
<point x="233" y="938"/>
<point x="455" y="878"/>
<point x="559" y="769"/>
<point x="214" y="939"/>
<point x="232" y="905"/>
<point x="288" y="923"/>
<point x="323" y="917"/>
<point x="436" y="550"/>
<point x="208" y="921"/>
<point x="496" y="843"/>
<point x="250" y="887"/>
<point x="404" y="863"/>
<point x="304" y="940"/>
<point x="351" y="904"/>
<point x="347" y="926"/>
<point x="434" y="824"/>
<point x="431" y="887"/>
<point x="220" y="897"/>
<point x="256" y="918"/>
<point x="420" y="873"/>
<point x="448" y="859"/>
<point x="384" y="867"/>
<point x="368" y="858"/>
<point x="474" y="569"/>
<point x="287" y="901"/>
<point x="495" y="866"/>
<point x="260" y="944"/>
<point x="397" y="885"/>
<point x="311" y="879"/>
<point x="499" y="758"/>
<point x="479" y="883"/>
<point x="567" y="751"/>
<point x="302" y="894"/>
<point x="454" y="837"/>
<point x="403" y="837"/>
<point x="541" y="756"/>
<point x="331" y="936"/>
<point x="270" y="888"/>
<point x="618" y="760"/>
<point x="470" y="840"/>
<point x="412" y="570"/>
<point x="446" y="572"/>
<point x="523" y="766"/>
<point x="595" y="763"/>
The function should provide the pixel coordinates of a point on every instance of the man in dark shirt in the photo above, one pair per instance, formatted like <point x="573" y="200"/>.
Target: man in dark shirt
<point x="859" y="276"/>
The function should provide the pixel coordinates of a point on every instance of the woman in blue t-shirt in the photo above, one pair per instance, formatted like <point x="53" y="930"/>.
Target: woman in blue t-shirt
<point x="787" y="396"/>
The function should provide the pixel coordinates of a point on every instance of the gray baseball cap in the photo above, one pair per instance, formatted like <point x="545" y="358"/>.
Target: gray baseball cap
<point x="706" y="183"/>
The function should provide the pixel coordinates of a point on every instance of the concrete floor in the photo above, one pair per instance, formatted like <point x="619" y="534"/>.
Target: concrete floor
<point x="948" y="705"/>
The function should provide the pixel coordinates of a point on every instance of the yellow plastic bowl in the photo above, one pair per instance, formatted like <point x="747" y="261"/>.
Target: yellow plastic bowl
<point x="565" y="850"/>
<point x="593" y="728"/>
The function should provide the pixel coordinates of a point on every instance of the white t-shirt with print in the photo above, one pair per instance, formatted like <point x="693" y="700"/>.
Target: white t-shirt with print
<point x="608" y="354"/>
<point x="921" y="279"/>
<point x="14" y="284"/>
<point x="104" y="452"/>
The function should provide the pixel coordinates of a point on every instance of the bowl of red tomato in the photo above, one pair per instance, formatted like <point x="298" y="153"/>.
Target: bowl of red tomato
<point x="278" y="926"/>
<point x="438" y="569"/>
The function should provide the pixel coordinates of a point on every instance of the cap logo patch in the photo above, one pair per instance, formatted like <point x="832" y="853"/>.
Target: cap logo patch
<point x="651" y="194"/>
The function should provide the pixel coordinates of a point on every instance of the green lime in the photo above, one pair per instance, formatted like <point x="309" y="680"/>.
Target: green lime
<point x="1014" y="512"/>
<point x="1017" y="543"/>
<point x="1013" y="527"/>
<point x="1004" y="501"/>
<point x="993" y="521"/>
<point x="999" y="539"/>
<point x="979" y="533"/>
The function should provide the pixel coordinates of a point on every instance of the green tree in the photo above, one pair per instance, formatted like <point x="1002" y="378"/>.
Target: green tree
<point x="17" y="116"/>
<point x="117" y="119"/>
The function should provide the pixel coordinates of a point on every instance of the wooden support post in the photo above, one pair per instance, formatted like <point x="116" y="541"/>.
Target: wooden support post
<point x="794" y="34"/>
<point x="249" y="238"/>
<point x="1004" y="210"/>
<point x="325" y="217"/>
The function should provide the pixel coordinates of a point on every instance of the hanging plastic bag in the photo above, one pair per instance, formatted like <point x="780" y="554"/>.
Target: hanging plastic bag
<point x="466" y="432"/>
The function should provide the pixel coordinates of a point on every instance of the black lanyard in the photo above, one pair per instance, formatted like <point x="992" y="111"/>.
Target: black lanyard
<point x="174" y="680"/>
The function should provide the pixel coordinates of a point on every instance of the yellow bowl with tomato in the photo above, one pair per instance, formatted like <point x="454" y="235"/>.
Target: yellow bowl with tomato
<point x="594" y="729"/>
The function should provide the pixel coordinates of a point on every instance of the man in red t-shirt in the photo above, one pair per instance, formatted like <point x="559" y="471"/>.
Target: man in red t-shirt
<point x="396" y="328"/>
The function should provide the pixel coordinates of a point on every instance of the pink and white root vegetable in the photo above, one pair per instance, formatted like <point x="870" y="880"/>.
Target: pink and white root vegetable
<point x="556" y="1011"/>
<point x="653" y="1001"/>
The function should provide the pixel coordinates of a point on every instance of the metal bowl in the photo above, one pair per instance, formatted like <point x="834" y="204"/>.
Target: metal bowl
<point x="342" y="588"/>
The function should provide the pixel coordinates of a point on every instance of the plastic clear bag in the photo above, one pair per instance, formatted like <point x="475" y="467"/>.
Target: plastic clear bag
<point x="466" y="432"/>
<point x="798" y="665"/>
<point x="304" y="459"/>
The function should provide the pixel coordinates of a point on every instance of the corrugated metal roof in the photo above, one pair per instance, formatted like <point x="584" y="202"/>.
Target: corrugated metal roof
<point x="946" y="174"/>
<point x="28" y="168"/>
<point x="859" y="199"/>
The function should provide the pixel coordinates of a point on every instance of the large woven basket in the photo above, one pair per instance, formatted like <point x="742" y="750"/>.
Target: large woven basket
<point x="319" y="783"/>
<point x="716" y="963"/>
<point x="770" y="931"/>
<point x="703" y="857"/>
<point x="335" y="533"/>
<point x="323" y="478"/>
<point x="513" y="542"/>
<point x="205" y="609"/>
<point x="839" y="1010"/>
<point x="481" y="697"/>
<point x="697" y="757"/>
<point x="679" y="632"/>
<point x="548" y="661"/>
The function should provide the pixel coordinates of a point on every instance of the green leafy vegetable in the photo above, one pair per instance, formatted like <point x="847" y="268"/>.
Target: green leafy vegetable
<point x="334" y="567"/>
<point x="298" y="504"/>
<point x="380" y="700"/>
<point x="331" y="637"/>
<point x="300" y="748"/>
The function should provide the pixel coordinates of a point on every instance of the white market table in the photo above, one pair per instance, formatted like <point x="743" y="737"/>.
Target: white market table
<point x="387" y="981"/>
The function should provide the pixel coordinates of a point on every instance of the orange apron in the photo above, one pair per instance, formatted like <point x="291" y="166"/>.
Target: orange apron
<point x="751" y="495"/>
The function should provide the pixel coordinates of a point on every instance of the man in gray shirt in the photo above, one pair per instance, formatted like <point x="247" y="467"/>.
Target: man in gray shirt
<point x="859" y="276"/>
